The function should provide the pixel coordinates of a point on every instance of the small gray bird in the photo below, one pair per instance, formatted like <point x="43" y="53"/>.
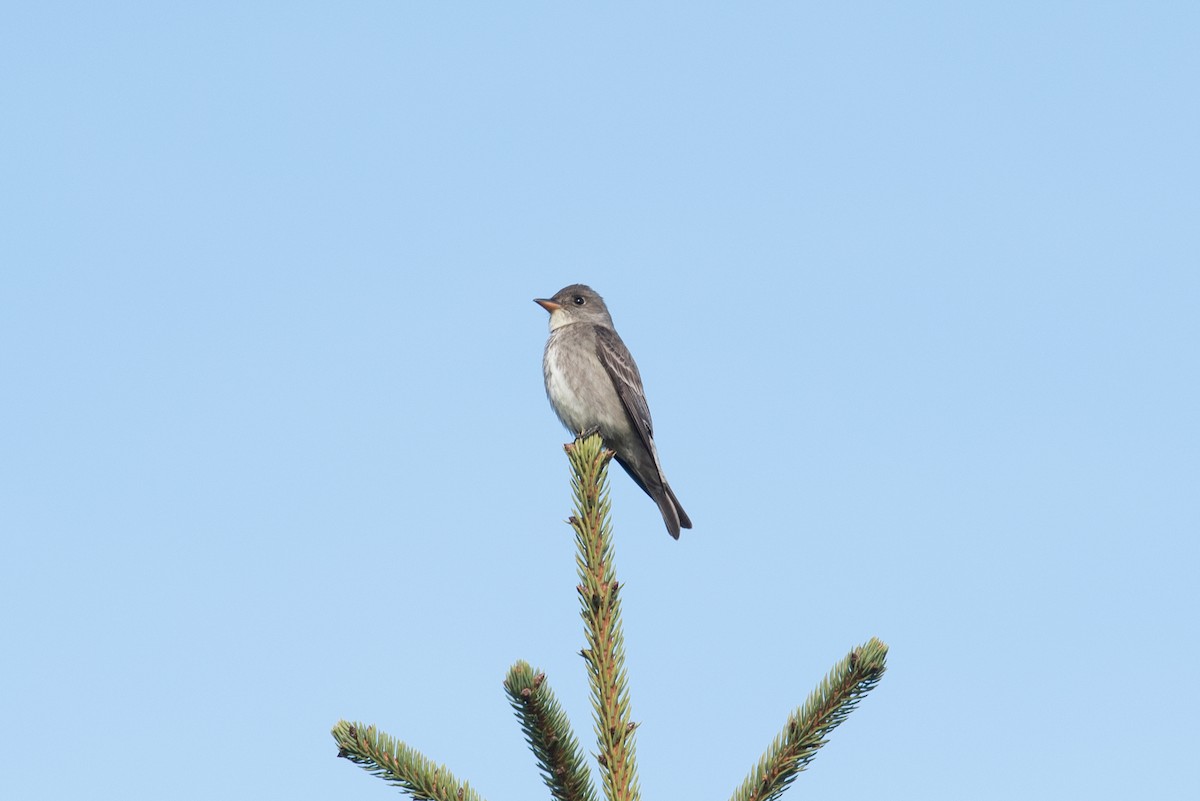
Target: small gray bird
<point x="594" y="385"/>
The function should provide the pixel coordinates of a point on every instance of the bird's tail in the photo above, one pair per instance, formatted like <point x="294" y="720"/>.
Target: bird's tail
<point x="655" y="485"/>
<point x="672" y="510"/>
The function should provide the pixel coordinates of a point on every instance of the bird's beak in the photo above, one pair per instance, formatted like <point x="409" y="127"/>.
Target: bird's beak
<point x="548" y="305"/>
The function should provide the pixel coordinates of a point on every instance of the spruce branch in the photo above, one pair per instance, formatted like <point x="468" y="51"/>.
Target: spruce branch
<point x="549" y="735"/>
<point x="543" y="721"/>
<point x="600" y="608"/>
<point x="809" y="726"/>
<point x="396" y="763"/>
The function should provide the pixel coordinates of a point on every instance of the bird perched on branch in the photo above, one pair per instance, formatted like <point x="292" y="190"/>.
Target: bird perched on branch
<point x="594" y="386"/>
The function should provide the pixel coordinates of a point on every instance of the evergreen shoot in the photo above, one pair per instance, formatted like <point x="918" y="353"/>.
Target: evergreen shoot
<point x="547" y="730"/>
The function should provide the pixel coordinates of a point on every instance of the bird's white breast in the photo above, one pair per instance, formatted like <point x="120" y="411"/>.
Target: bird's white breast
<point x="579" y="389"/>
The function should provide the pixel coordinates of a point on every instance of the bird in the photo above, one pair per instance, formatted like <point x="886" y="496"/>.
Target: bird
<point x="594" y="386"/>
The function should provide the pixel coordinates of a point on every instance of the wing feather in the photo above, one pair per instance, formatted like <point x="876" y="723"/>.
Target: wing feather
<point x="628" y="382"/>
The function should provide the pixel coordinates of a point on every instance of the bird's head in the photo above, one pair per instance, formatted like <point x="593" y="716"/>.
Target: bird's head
<point x="575" y="304"/>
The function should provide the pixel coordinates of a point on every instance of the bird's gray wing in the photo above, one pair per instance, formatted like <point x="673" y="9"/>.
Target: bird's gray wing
<point x="628" y="382"/>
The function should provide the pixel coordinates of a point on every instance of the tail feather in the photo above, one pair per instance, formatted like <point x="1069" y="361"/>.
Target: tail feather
<point x="684" y="520"/>
<point x="669" y="514"/>
<point x="672" y="513"/>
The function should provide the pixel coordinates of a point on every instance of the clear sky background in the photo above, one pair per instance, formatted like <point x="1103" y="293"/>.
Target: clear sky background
<point x="914" y="291"/>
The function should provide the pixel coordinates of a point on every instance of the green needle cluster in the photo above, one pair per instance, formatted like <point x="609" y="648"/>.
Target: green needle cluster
<point x="560" y="759"/>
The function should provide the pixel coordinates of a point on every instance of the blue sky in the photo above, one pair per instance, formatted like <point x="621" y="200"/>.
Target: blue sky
<point x="914" y="292"/>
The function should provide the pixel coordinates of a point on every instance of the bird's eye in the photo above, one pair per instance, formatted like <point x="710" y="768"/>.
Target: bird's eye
<point x="579" y="300"/>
